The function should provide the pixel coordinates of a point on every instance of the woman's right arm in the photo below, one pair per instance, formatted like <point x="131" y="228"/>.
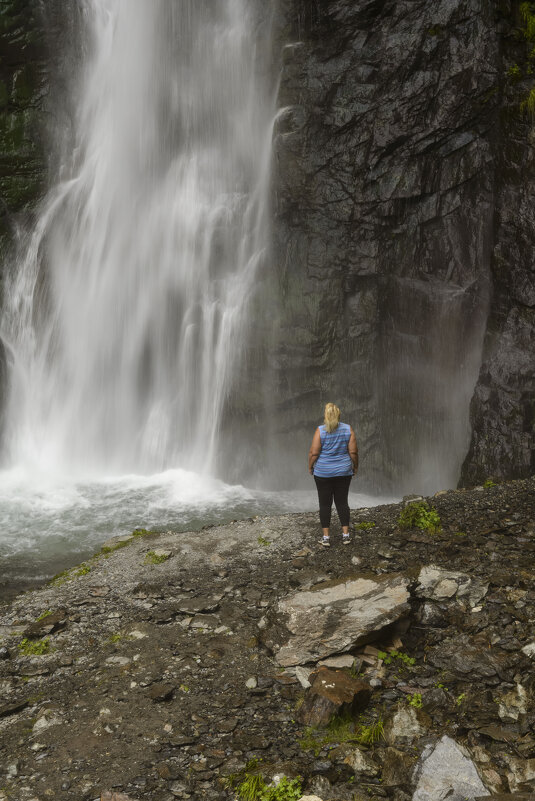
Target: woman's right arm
<point x="314" y="452"/>
<point x="353" y="451"/>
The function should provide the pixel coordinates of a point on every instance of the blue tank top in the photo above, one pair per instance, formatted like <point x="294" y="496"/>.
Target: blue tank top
<point x="334" y="460"/>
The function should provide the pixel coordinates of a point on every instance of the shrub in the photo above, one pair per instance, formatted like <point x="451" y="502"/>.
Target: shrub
<point x="420" y="515"/>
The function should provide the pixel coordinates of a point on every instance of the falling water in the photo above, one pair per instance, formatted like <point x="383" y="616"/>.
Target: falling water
<point x="125" y="313"/>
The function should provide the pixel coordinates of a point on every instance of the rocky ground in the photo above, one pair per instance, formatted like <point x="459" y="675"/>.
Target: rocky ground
<point x="179" y="666"/>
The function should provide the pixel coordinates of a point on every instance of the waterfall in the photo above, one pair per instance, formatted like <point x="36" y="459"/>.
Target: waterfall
<point x="127" y="308"/>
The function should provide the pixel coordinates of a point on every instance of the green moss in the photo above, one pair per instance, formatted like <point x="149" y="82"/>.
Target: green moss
<point x="34" y="648"/>
<point x="528" y="105"/>
<point x="42" y="616"/>
<point x="416" y="700"/>
<point x="263" y="541"/>
<point x="420" y="515"/>
<point x="489" y="482"/>
<point x="514" y="73"/>
<point x="107" y="549"/>
<point x="364" y="526"/>
<point x="527" y="15"/>
<point x="153" y="558"/>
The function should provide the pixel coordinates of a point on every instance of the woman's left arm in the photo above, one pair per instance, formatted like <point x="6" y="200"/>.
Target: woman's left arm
<point x="353" y="451"/>
<point x="314" y="452"/>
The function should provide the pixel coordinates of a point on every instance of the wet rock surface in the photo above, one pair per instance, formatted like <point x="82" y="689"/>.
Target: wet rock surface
<point x="161" y="681"/>
<point x="404" y="193"/>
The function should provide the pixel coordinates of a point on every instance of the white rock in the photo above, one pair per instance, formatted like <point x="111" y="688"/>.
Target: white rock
<point x="404" y="726"/>
<point x="330" y="618"/>
<point x="513" y="704"/>
<point x="310" y="798"/>
<point x="138" y="635"/>
<point x="46" y="720"/>
<point x="361" y="763"/>
<point x="437" y="584"/>
<point x="302" y="674"/>
<point x="251" y="683"/>
<point x="445" y="770"/>
<point x="529" y="650"/>
<point x="344" y="661"/>
<point x="118" y="660"/>
<point x="520" y="771"/>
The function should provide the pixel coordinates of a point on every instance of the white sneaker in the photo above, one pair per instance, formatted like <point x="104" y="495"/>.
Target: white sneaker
<point x="326" y="542"/>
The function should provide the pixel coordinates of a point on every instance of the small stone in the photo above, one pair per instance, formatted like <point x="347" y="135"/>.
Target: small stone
<point x="110" y="795"/>
<point x="251" y="683"/>
<point x="118" y="660"/>
<point x="361" y="763"/>
<point x="344" y="661"/>
<point x="138" y="635"/>
<point x="161" y="692"/>
<point x="302" y="675"/>
<point x="405" y="725"/>
<point x="4" y="653"/>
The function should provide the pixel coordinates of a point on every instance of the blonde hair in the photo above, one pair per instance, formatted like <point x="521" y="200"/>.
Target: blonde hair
<point x="332" y="417"/>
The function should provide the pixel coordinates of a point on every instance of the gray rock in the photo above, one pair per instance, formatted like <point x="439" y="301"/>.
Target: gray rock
<point x="445" y="770"/>
<point x="437" y="584"/>
<point x="333" y="617"/>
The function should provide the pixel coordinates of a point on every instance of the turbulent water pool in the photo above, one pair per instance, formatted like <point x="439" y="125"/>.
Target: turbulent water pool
<point x="48" y="523"/>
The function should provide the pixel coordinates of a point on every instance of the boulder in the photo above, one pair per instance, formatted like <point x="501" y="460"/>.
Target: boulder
<point x="332" y="692"/>
<point x="333" y="617"/>
<point x="437" y="584"/>
<point x="445" y="770"/>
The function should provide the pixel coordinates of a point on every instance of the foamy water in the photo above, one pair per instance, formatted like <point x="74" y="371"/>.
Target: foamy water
<point x="49" y="523"/>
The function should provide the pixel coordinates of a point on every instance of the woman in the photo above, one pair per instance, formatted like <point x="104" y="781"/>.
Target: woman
<point x="333" y="459"/>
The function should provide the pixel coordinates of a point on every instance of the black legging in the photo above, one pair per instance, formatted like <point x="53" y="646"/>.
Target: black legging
<point x="336" y="487"/>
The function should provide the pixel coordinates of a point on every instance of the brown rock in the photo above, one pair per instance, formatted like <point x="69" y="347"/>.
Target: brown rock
<point x="47" y="625"/>
<point x="161" y="692"/>
<point x="397" y="767"/>
<point x="110" y="795"/>
<point x="332" y="692"/>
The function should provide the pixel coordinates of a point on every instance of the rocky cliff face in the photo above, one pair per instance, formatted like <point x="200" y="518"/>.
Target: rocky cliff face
<point x="391" y="186"/>
<point x="503" y="407"/>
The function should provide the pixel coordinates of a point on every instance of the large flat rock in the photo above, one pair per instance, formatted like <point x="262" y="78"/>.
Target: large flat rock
<point x="333" y="617"/>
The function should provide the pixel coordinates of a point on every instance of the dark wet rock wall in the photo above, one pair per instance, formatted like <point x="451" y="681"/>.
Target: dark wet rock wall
<point x="399" y="181"/>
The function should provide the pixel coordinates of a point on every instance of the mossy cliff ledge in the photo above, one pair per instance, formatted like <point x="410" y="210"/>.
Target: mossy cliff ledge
<point x="202" y="665"/>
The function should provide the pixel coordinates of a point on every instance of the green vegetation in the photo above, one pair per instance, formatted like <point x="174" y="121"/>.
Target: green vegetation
<point x="111" y="548"/>
<point x="527" y="15"/>
<point x="263" y="541"/>
<point x="249" y="785"/>
<point x="460" y="534"/>
<point x="44" y="614"/>
<point x="460" y="698"/>
<point x="153" y="558"/>
<point x="514" y="73"/>
<point x="416" y="700"/>
<point x="364" y="526"/>
<point x="389" y="657"/>
<point x="420" y="515"/>
<point x="489" y="483"/>
<point x="68" y="575"/>
<point x="34" y="648"/>
<point x="342" y="729"/>
<point x="254" y="788"/>
<point x="143" y="532"/>
<point x="527" y="105"/>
